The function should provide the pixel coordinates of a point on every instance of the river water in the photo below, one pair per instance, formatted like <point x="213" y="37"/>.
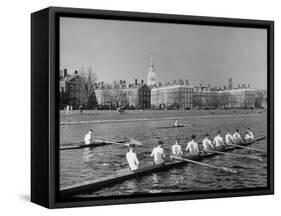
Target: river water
<point x="77" y="166"/>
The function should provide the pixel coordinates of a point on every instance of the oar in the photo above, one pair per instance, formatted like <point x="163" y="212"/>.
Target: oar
<point x="249" y="148"/>
<point x="226" y="169"/>
<point x="237" y="155"/>
<point x="132" y="141"/>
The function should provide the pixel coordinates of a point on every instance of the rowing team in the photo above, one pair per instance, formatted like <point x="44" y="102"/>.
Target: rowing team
<point x="192" y="147"/>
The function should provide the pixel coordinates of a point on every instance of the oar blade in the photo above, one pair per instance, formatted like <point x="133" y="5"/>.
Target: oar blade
<point x="135" y="142"/>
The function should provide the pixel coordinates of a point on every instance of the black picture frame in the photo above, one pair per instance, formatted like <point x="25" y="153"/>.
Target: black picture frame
<point x="45" y="114"/>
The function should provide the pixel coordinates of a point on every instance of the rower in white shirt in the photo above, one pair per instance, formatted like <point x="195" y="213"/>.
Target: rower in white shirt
<point x="207" y="144"/>
<point x="237" y="137"/>
<point x="192" y="147"/>
<point x="228" y="138"/>
<point x="158" y="154"/>
<point x="131" y="157"/>
<point x="88" y="137"/>
<point x="249" y="135"/>
<point x="218" y="141"/>
<point x="176" y="148"/>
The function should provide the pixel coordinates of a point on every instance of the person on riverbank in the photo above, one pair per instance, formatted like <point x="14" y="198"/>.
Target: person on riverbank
<point x="228" y="138"/>
<point x="88" y="139"/>
<point x="207" y="144"/>
<point x="176" y="148"/>
<point x="81" y="109"/>
<point x="237" y="137"/>
<point x="192" y="147"/>
<point x="131" y="157"/>
<point x="158" y="154"/>
<point x="249" y="137"/>
<point x="218" y="141"/>
<point x="67" y="109"/>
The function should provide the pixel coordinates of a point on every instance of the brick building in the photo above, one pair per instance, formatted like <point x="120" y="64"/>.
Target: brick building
<point x="72" y="89"/>
<point x="172" y="96"/>
<point x="134" y="96"/>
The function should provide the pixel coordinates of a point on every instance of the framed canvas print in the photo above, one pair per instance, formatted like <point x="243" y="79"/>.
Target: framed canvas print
<point x="138" y="107"/>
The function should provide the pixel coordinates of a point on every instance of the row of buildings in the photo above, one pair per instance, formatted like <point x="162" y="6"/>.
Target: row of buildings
<point x="76" y="89"/>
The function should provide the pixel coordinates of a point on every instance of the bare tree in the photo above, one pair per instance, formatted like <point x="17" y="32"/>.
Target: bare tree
<point x="197" y="101"/>
<point x="224" y="100"/>
<point x="90" y="80"/>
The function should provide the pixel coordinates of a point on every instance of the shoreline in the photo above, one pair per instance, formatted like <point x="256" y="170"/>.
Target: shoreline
<point x="157" y="119"/>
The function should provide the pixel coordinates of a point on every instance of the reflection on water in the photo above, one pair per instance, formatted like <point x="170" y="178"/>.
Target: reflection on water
<point x="77" y="166"/>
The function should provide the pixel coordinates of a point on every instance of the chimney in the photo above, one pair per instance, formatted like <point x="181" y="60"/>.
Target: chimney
<point x="248" y="85"/>
<point x="64" y="73"/>
<point x="121" y="82"/>
<point x="141" y="81"/>
<point x="76" y="72"/>
<point x="186" y="82"/>
<point x="124" y="82"/>
<point x="136" y="81"/>
<point x="239" y="86"/>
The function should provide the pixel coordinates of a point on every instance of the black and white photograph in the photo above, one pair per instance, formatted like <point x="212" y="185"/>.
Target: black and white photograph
<point x="160" y="108"/>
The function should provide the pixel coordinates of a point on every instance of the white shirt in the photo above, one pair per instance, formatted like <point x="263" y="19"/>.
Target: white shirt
<point x="249" y="136"/>
<point x="132" y="160"/>
<point x="158" y="155"/>
<point x="228" y="138"/>
<point x="176" y="150"/>
<point x="218" y="141"/>
<point x="237" y="137"/>
<point x="192" y="147"/>
<point x="176" y="123"/>
<point x="207" y="144"/>
<point x="88" y="139"/>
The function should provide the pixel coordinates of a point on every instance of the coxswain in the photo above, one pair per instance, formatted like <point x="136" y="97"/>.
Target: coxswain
<point x="218" y="141"/>
<point x="237" y="137"/>
<point x="228" y="138"/>
<point x="249" y="137"/>
<point x="176" y="123"/>
<point x="176" y="148"/>
<point x="207" y="144"/>
<point x="192" y="147"/>
<point x="88" y="137"/>
<point x="131" y="157"/>
<point x="158" y="154"/>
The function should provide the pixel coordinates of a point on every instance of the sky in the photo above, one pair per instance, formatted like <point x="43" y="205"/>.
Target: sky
<point x="120" y="50"/>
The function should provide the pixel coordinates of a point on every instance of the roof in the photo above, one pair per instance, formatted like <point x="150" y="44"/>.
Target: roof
<point x="69" y="77"/>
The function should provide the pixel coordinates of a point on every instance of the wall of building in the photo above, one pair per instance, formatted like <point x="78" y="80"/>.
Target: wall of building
<point x="176" y="96"/>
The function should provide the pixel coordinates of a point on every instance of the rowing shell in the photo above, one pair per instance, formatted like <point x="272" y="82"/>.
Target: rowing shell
<point x="125" y="174"/>
<point x="179" y="126"/>
<point x="96" y="143"/>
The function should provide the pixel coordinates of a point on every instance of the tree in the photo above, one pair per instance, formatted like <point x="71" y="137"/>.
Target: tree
<point x="258" y="99"/>
<point x="90" y="80"/>
<point x="213" y="101"/>
<point x="224" y="100"/>
<point x="197" y="101"/>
